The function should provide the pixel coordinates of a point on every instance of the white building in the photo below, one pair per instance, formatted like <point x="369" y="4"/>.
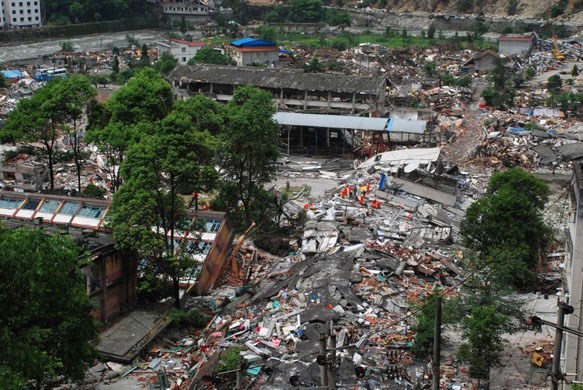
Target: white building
<point x="249" y="51"/>
<point x="180" y="49"/>
<point x="515" y="45"/>
<point x="572" y="358"/>
<point x="20" y="14"/>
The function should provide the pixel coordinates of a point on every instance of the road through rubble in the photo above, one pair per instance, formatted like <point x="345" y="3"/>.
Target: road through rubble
<point x="461" y="150"/>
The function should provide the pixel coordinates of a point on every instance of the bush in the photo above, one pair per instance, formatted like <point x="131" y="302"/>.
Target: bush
<point x="94" y="191"/>
<point x="187" y="319"/>
<point x="229" y="360"/>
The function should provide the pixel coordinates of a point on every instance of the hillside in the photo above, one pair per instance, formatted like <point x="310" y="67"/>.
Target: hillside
<point x="568" y="10"/>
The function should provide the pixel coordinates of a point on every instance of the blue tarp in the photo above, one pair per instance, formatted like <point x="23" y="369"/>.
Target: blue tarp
<point x="252" y="42"/>
<point x="13" y="74"/>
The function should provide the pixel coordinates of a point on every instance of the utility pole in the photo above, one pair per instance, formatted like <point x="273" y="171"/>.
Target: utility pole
<point x="332" y="371"/>
<point x="323" y="373"/>
<point x="556" y="376"/>
<point x="437" y="342"/>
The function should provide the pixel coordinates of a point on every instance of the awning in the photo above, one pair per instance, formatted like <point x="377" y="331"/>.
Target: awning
<point x="330" y="121"/>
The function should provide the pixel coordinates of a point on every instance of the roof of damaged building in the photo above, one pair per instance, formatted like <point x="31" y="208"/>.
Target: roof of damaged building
<point x="279" y="79"/>
<point x="330" y="121"/>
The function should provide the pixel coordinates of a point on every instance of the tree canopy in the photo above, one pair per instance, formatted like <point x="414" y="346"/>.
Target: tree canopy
<point x="85" y="11"/>
<point x="249" y="152"/>
<point x="113" y="127"/>
<point x="208" y="55"/>
<point x="45" y="318"/>
<point x="506" y="226"/>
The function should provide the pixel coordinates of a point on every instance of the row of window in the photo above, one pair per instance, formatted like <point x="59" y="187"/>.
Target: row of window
<point x="30" y="19"/>
<point x="21" y="4"/>
<point x="22" y="12"/>
<point x="187" y="9"/>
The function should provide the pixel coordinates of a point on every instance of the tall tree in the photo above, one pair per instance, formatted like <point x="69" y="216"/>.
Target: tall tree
<point x="171" y="158"/>
<point x="71" y="97"/>
<point x="146" y="98"/>
<point x="31" y="122"/>
<point x="486" y="310"/>
<point x="45" y="314"/>
<point x="249" y="151"/>
<point x="208" y="55"/>
<point x="506" y="226"/>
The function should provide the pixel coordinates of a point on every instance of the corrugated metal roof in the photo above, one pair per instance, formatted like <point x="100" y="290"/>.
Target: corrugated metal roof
<point x="278" y="78"/>
<point x="406" y="126"/>
<point x="251" y="42"/>
<point x="330" y="121"/>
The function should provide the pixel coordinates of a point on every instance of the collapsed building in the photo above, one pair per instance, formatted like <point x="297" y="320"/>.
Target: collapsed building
<point x="291" y="90"/>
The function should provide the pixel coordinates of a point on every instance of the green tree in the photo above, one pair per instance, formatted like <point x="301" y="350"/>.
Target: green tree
<point x="70" y="100"/>
<point x="278" y="14"/>
<point x="512" y="7"/>
<point x="166" y="63"/>
<point x="306" y="11"/>
<point x="530" y="73"/>
<point x="267" y="32"/>
<point x="479" y="28"/>
<point x="46" y="325"/>
<point x="145" y="57"/>
<point x="314" y="66"/>
<point x="506" y="226"/>
<point x="431" y="31"/>
<point x="113" y="128"/>
<point x="115" y="64"/>
<point x="429" y="68"/>
<point x="208" y="55"/>
<point x="67" y="46"/>
<point x="183" y="26"/>
<point x="554" y="84"/>
<point x="575" y="71"/>
<point x="171" y="158"/>
<point x="485" y="310"/>
<point x="335" y="17"/>
<point x="249" y="152"/>
<point x="404" y="34"/>
<point x="500" y="93"/>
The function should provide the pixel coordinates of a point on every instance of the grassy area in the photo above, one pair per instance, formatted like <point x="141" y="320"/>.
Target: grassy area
<point x="346" y="40"/>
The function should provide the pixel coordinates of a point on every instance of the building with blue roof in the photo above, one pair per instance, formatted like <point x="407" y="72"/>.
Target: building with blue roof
<point x="248" y="51"/>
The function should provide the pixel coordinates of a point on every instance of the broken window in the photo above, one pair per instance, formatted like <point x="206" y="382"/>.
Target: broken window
<point x="91" y="212"/>
<point x="49" y="206"/>
<point x="69" y="208"/>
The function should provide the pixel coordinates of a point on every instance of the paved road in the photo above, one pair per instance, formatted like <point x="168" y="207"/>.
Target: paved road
<point x="87" y="43"/>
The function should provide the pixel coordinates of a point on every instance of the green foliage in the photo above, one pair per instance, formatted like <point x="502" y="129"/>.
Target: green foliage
<point x="314" y="66"/>
<point x="191" y="319"/>
<point x="208" y="55"/>
<point x="145" y="57"/>
<point x="431" y="31"/>
<point x="94" y="191"/>
<point x="554" y="84"/>
<point x="267" y="32"/>
<point x="465" y="5"/>
<point x="569" y="101"/>
<point x="575" y="71"/>
<point x="486" y="310"/>
<point x="424" y="327"/>
<point x="229" y="359"/>
<point x="45" y="319"/>
<point x="479" y="28"/>
<point x="429" y="68"/>
<point x="114" y="127"/>
<point x="61" y="12"/>
<point x="559" y="8"/>
<point x="67" y="46"/>
<point x="449" y="79"/>
<point x="506" y="226"/>
<point x="482" y="329"/>
<point x="501" y="93"/>
<point x="306" y="11"/>
<point x="404" y="34"/>
<point x="278" y="14"/>
<point x="335" y="17"/>
<point x="530" y="73"/>
<point x="512" y="7"/>
<point x="166" y="63"/>
<point x="249" y="152"/>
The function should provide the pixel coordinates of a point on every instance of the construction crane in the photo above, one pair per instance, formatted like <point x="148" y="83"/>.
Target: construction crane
<point x="556" y="53"/>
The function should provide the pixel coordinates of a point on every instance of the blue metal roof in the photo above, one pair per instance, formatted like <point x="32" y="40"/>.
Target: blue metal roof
<point x="252" y="42"/>
<point x="406" y="126"/>
<point x="13" y="74"/>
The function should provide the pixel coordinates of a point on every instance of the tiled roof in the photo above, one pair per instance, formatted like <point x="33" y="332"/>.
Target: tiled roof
<point x="278" y="78"/>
